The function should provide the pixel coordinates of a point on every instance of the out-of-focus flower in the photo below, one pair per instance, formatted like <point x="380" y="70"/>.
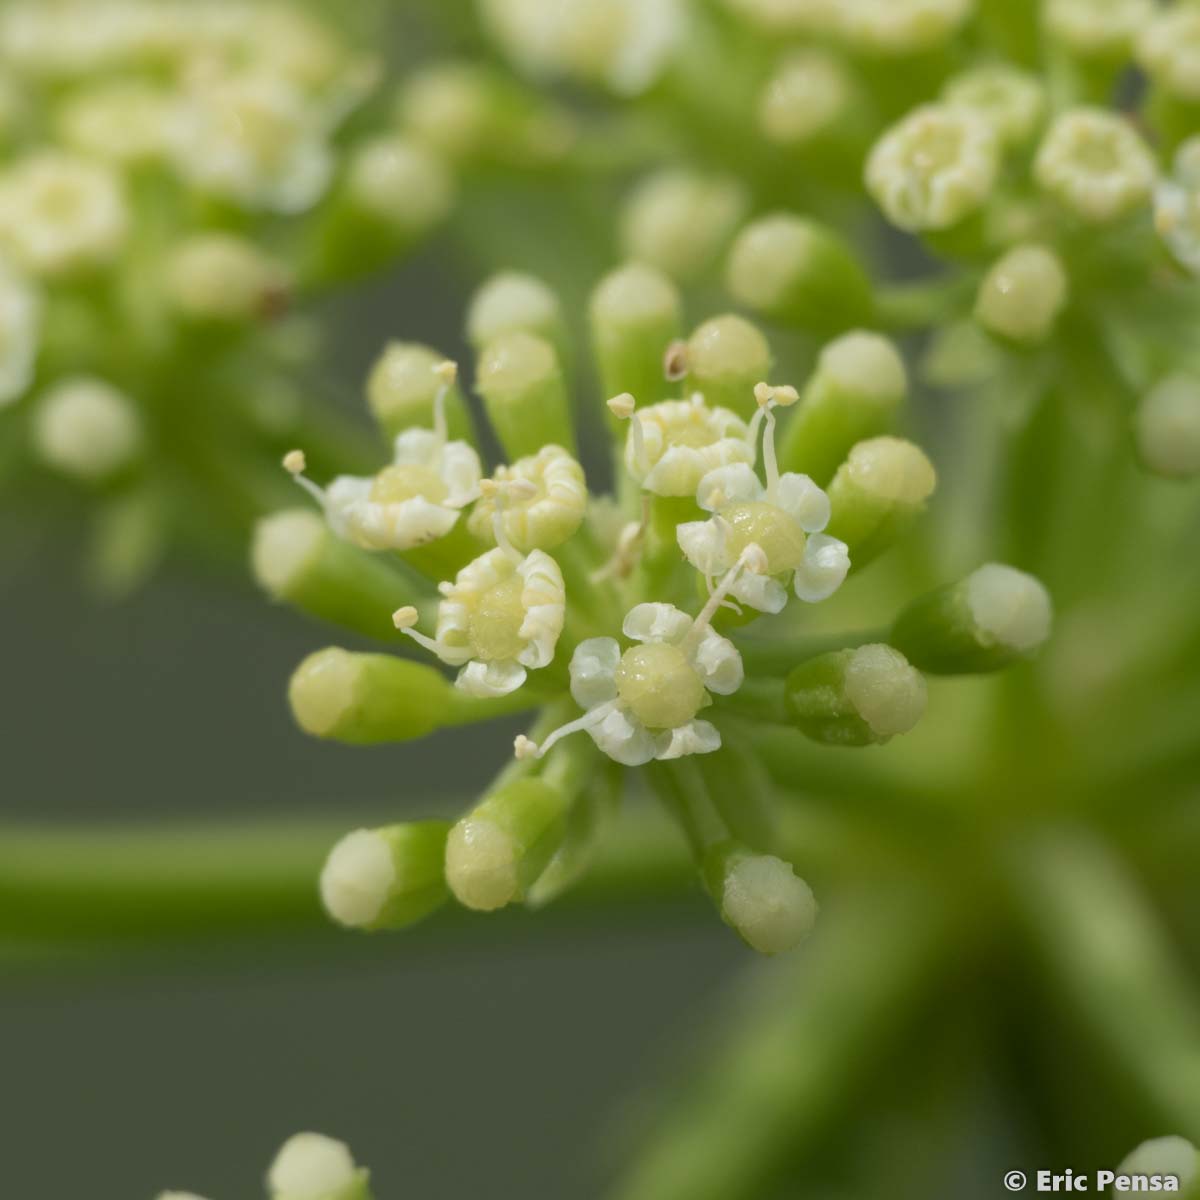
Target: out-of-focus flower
<point x="121" y="122"/>
<point x="544" y="514"/>
<point x="1095" y="165"/>
<point x="310" y="1166"/>
<point x="1167" y="427"/>
<point x="1168" y="47"/>
<point x="1010" y="99"/>
<point x="220" y="276"/>
<point x="937" y="166"/>
<point x="399" y="182"/>
<point x="1097" y="28"/>
<point x="1022" y="294"/>
<point x="1177" y="206"/>
<point x="805" y="98"/>
<point x="20" y="325"/>
<point x="894" y="27"/>
<point x="86" y="428"/>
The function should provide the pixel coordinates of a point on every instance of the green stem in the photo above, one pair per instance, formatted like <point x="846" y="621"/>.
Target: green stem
<point x="777" y="656"/>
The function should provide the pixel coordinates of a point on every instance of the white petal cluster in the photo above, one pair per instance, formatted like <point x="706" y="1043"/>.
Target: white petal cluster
<point x="60" y="212"/>
<point x="547" y="513"/>
<point x="1169" y="49"/>
<point x="681" y="441"/>
<point x="786" y="524"/>
<point x="414" y="501"/>
<point x="20" y="327"/>
<point x="499" y="619"/>
<point x="624" y="44"/>
<point x="1177" y="206"/>
<point x="645" y="700"/>
<point x="936" y="166"/>
<point x="1096" y="165"/>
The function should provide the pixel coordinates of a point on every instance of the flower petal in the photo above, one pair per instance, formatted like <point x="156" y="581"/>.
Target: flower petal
<point x="734" y="484"/>
<point x="718" y="663"/>
<point x="417" y="448"/>
<point x="761" y="592"/>
<point x="705" y="546"/>
<point x="655" y="622"/>
<point x="826" y="561"/>
<point x="696" y="737"/>
<point x="460" y="471"/>
<point x="593" y="669"/>
<point x="807" y="503"/>
<point x="624" y="738"/>
<point x="490" y="679"/>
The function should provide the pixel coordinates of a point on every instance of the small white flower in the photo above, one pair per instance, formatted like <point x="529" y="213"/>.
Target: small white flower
<point x="624" y="44"/>
<point x="544" y="514"/>
<point x="20" y="327"/>
<point x="1169" y="50"/>
<point x="642" y="704"/>
<point x="784" y="517"/>
<point x="499" y="619"/>
<point x="672" y="445"/>
<point x="59" y="213"/>
<point x="936" y="166"/>
<point x="86" y="428"/>
<point x="252" y="138"/>
<point x="415" y="500"/>
<point x="1177" y="206"/>
<point x="1095" y="164"/>
<point x="1010" y="100"/>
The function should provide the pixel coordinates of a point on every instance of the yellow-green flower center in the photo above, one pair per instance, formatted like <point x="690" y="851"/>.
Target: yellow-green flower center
<point x="495" y="622"/>
<point x="694" y="433"/>
<point x="397" y="483"/>
<point x="776" y="532"/>
<point x="659" y="686"/>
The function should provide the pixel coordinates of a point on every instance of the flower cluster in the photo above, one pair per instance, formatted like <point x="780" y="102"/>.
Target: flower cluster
<point x="628" y="618"/>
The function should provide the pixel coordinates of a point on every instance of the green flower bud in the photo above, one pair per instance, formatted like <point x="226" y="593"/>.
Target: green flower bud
<point x="296" y="558"/>
<point x="877" y="494"/>
<point x="368" y="698"/>
<point x="86" y="428"/>
<point x="386" y="878"/>
<point x="635" y="314"/>
<point x="800" y="273"/>
<point x="889" y="28"/>
<point x="1010" y="100"/>
<point x="1167" y="427"/>
<point x="853" y="394"/>
<point x="222" y="277"/>
<point x="524" y="393"/>
<point x="1022" y="295"/>
<point x="310" y="1166"/>
<point x="726" y="357"/>
<point x="499" y="849"/>
<point x="760" y="896"/>
<point x="1097" y="29"/>
<point x="997" y="615"/>
<point x="399" y="184"/>
<point x="806" y="99"/>
<point x="681" y="222"/>
<point x="401" y="389"/>
<point x="860" y="697"/>
<point x="511" y="302"/>
<point x="1169" y="1156"/>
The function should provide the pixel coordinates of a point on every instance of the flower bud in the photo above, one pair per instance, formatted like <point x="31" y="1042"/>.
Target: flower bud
<point x="726" y="357"/>
<point x="20" y="331"/>
<point x="86" y="428"/>
<point x="853" y="394"/>
<point x="1167" y="427"/>
<point x="297" y="559"/>
<point x="399" y="184"/>
<point x="935" y="167"/>
<point x="876" y="495"/>
<point x="497" y="851"/>
<point x="386" y="878"/>
<point x="681" y="222"/>
<point x="889" y="28"/>
<point x="511" y="302"/>
<point x="761" y="897"/>
<point x="524" y="393"/>
<point x="310" y="1166"/>
<point x="1177" y="206"/>
<point x="635" y="314"/>
<point x="367" y="698"/>
<point x="997" y="615"/>
<point x="1173" y="1156"/>
<point x="1168" y="49"/>
<point x="1097" y="29"/>
<point x="806" y="98"/>
<point x="401" y="389"/>
<point x="1095" y="165"/>
<point x="860" y="697"/>
<point x="1022" y="295"/>
<point x="223" y="277"/>
<point x="799" y="273"/>
<point x="1010" y="100"/>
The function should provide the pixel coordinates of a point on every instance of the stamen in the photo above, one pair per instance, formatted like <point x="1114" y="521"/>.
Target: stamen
<point x="447" y="372"/>
<point x="751" y="559"/>
<point x="404" y="619"/>
<point x="295" y="464"/>
<point x="675" y="361"/>
<point x="628" y="549"/>
<point x="622" y="407"/>
<point x="770" y="397"/>
<point x="519" y="490"/>
<point x="524" y="747"/>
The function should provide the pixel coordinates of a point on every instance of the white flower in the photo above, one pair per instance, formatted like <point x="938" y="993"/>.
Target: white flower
<point x="672" y="445"/>
<point x="310" y="1166"/>
<point x="1169" y="50"/>
<point x="936" y="166"/>
<point x="784" y="517"/>
<point x="1095" y="164"/>
<point x="499" y="619"/>
<point x="542" y="515"/>
<point x="1010" y="100"/>
<point x="252" y="138"/>
<point x="59" y="213"/>
<point x="86" y="428"/>
<point x="415" y="500"/>
<point x="20" y="326"/>
<point x="625" y="44"/>
<point x="1177" y="206"/>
